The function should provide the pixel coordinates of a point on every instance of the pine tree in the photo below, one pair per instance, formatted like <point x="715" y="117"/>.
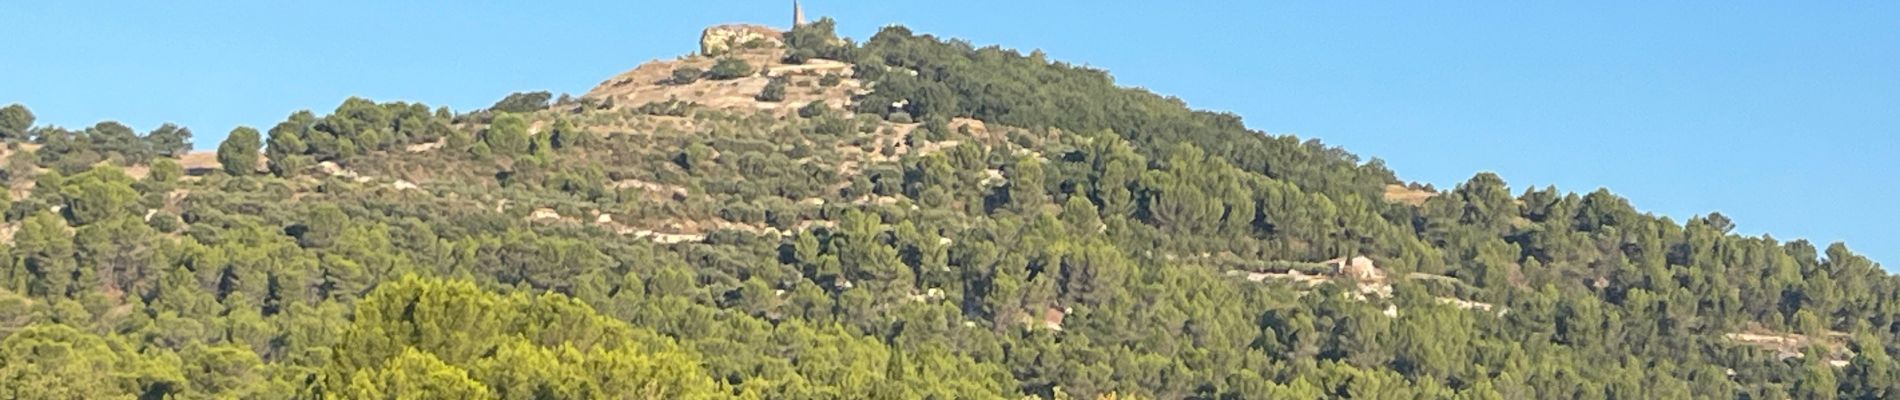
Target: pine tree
<point x="238" y="152"/>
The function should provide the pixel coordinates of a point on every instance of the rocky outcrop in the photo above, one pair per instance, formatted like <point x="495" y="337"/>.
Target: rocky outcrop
<point x="1358" y="268"/>
<point x="816" y="80"/>
<point x="721" y="39"/>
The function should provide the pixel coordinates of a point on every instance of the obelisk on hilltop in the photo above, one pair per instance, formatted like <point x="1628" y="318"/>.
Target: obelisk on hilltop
<point x="798" y="14"/>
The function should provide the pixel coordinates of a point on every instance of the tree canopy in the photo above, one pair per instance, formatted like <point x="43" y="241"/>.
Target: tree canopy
<point x="981" y="223"/>
<point x="239" y="151"/>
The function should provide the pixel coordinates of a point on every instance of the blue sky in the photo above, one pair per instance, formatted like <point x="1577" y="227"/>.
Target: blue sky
<point x="1783" y="115"/>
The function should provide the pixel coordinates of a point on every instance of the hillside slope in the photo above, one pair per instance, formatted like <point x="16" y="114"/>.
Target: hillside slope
<point x="904" y="218"/>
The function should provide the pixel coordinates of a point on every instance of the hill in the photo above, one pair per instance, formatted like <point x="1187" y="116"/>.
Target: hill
<point x="906" y="217"/>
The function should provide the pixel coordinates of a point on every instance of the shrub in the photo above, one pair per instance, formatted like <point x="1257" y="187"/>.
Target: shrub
<point x="741" y="212"/>
<point x="729" y="68"/>
<point x="774" y="90"/>
<point x="694" y="156"/>
<point x="799" y="56"/>
<point x="830" y="80"/>
<point x="671" y="107"/>
<point x="164" y="170"/>
<point x="814" y="110"/>
<point x="165" y="221"/>
<point x="522" y="102"/>
<point x="835" y="126"/>
<point x="756" y="44"/>
<point x="685" y="75"/>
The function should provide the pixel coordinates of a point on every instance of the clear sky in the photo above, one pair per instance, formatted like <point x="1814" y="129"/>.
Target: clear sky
<point x="1784" y="116"/>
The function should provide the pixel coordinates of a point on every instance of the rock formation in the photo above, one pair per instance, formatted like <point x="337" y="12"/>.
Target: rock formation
<point x="722" y="39"/>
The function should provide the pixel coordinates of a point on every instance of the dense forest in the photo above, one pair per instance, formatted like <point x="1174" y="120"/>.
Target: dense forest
<point x="979" y="223"/>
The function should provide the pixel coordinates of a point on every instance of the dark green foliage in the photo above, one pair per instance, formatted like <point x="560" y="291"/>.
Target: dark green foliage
<point x="74" y="151"/>
<point x="685" y="75"/>
<point x="285" y="149"/>
<point x="774" y="90"/>
<point x="955" y="79"/>
<point x="565" y="135"/>
<point x="166" y="222"/>
<point x="43" y="258"/>
<point x="15" y="120"/>
<point x="357" y="127"/>
<point x="440" y="338"/>
<point x="818" y="39"/>
<point x="508" y="135"/>
<point x="694" y="155"/>
<point x="59" y="362"/>
<point x="814" y="110"/>
<point x="170" y="141"/>
<point x="238" y="153"/>
<point x="65" y="151"/>
<point x="522" y="102"/>
<point x="100" y="194"/>
<point x="729" y="68"/>
<point x="1085" y="240"/>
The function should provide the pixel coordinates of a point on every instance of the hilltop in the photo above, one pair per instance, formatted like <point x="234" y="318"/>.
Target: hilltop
<point x="792" y="214"/>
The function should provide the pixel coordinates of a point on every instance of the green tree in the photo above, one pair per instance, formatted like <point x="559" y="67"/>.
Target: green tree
<point x="99" y="194"/>
<point x="1026" y="191"/>
<point x="867" y="260"/>
<point x="818" y="39"/>
<point x="231" y="371"/>
<point x="523" y="102"/>
<point x="169" y="140"/>
<point x="118" y="252"/>
<point x="43" y="263"/>
<point x="285" y="148"/>
<point x="59" y="362"/>
<point x="166" y="171"/>
<point x="238" y="152"/>
<point x="450" y="335"/>
<point x="1080" y="216"/>
<point x="412" y="375"/>
<point x="1814" y="378"/>
<point x="507" y="135"/>
<point x="115" y="139"/>
<point x="1871" y="374"/>
<point x="15" y="120"/>
<point x="324" y="225"/>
